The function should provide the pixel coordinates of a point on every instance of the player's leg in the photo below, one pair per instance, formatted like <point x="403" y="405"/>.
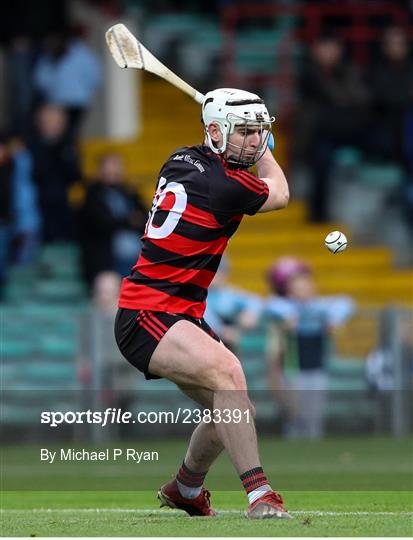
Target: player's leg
<point x="200" y="361"/>
<point x="205" y="445"/>
<point x="186" y="490"/>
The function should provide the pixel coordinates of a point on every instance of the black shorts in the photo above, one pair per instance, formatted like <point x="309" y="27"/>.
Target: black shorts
<point x="138" y="333"/>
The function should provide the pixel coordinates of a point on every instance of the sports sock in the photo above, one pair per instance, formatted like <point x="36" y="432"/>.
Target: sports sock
<point x="257" y="493"/>
<point x="255" y="483"/>
<point x="189" y="482"/>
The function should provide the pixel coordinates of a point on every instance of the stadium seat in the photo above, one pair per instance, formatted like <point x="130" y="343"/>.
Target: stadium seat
<point x="57" y="346"/>
<point x="386" y="176"/>
<point x="59" y="290"/>
<point x="18" y="415"/>
<point x="198" y="53"/>
<point x="347" y="156"/>
<point x="256" y="50"/>
<point x="17" y="349"/>
<point x="51" y="374"/>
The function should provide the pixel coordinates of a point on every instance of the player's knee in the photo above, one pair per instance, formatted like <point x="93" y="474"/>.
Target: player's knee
<point x="230" y="376"/>
<point x="223" y="371"/>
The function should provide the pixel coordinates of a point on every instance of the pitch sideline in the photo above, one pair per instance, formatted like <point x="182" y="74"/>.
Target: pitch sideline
<point x="152" y="511"/>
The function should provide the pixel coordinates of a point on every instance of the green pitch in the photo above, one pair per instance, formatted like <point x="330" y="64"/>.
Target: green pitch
<point x="368" y="492"/>
<point x="136" y="514"/>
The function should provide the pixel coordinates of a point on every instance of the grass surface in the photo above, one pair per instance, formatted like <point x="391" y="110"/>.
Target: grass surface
<point x="136" y="514"/>
<point x="336" y="464"/>
<point x="337" y="487"/>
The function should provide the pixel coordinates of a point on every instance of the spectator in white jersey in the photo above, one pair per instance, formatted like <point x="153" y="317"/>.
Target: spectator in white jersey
<point x="306" y="321"/>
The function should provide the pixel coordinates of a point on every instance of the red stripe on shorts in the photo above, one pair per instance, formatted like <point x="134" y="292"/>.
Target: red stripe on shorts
<point x="151" y="324"/>
<point x="156" y="321"/>
<point x="144" y="324"/>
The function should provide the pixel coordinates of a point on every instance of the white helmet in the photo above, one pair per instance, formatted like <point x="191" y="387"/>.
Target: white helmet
<point x="229" y="107"/>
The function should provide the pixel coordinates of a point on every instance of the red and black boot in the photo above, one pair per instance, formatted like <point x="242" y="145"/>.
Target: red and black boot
<point x="170" y="496"/>
<point x="269" y="506"/>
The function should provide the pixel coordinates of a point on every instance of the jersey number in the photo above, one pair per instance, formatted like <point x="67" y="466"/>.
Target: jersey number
<point x="175" y="213"/>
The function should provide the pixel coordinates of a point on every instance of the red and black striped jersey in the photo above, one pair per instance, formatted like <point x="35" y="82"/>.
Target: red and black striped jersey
<point x="198" y="205"/>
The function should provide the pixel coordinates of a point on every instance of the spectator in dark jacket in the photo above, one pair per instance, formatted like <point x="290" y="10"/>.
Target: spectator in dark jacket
<point x="331" y="113"/>
<point x="56" y="167"/>
<point x="112" y="219"/>
<point x="390" y="83"/>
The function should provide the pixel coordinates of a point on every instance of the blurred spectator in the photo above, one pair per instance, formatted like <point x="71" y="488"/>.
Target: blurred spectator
<point x="407" y="352"/>
<point x="105" y="297"/>
<point x="106" y="289"/>
<point x="305" y="320"/>
<point x="19" y="212"/>
<point x="21" y="58"/>
<point x="26" y="213"/>
<point x="56" y="166"/>
<point x="331" y="113"/>
<point x="389" y="367"/>
<point x="230" y="310"/>
<point x="379" y="362"/>
<point x="68" y="74"/>
<point x="390" y="83"/>
<point x="6" y="207"/>
<point x="112" y="219"/>
<point x="107" y="380"/>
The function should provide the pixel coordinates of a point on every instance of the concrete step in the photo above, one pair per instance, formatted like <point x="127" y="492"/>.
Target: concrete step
<point x="356" y="259"/>
<point x="365" y="292"/>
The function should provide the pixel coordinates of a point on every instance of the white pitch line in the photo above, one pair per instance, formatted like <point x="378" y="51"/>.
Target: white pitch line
<point x="149" y="511"/>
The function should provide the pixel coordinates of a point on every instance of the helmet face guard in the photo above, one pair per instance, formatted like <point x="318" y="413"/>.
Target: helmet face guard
<point x="242" y="157"/>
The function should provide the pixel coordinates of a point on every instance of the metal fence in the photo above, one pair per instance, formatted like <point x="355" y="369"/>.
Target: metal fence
<point x="61" y="360"/>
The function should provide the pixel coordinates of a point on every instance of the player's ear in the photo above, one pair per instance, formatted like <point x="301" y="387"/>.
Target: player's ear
<point x="214" y="132"/>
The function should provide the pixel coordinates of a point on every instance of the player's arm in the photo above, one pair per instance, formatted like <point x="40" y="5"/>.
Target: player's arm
<point x="270" y="172"/>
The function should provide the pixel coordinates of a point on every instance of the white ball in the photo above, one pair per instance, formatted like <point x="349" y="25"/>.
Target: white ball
<point x="336" y="241"/>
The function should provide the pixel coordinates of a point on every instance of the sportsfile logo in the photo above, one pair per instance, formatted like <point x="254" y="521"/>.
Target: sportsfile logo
<point x="108" y="416"/>
<point x="117" y="416"/>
